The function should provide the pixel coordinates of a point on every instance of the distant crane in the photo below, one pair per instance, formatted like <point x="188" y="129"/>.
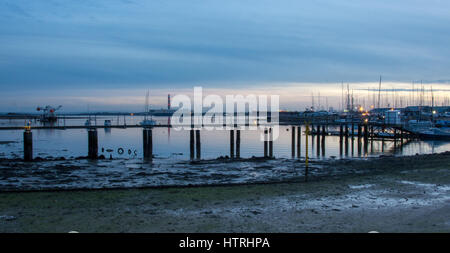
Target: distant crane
<point x="49" y="113"/>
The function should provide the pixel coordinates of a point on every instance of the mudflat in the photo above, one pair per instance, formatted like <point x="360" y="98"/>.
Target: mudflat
<point x="387" y="194"/>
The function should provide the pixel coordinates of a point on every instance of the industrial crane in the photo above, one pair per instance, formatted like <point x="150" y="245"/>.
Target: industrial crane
<point x="49" y="113"/>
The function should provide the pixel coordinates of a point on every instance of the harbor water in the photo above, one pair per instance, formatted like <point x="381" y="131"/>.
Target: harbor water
<point x="171" y="144"/>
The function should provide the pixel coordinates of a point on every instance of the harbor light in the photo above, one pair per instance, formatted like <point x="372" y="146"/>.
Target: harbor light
<point x="28" y="126"/>
<point x="434" y="112"/>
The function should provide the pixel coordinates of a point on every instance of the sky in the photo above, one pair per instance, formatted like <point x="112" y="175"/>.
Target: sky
<point x="105" y="54"/>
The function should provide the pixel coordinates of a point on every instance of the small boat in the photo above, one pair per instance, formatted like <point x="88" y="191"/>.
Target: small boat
<point x="443" y="123"/>
<point x="147" y="122"/>
<point x="434" y="133"/>
<point x="107" y="123"/>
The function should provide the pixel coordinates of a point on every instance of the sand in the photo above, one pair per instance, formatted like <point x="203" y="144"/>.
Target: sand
<point x="387" y="194"/>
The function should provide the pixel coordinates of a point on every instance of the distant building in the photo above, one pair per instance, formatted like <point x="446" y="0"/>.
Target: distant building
<point x="379" y="110"/>
<point x="442" y="109"/>
<point x="392" y="117"/>
<point x="416" y="111"/>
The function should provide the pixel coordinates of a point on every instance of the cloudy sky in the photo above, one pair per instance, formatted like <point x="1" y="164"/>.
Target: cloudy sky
<point x="107" y="53"/>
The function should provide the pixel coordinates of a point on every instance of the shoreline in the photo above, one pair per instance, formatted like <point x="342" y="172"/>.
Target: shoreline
<point x="293" y="171"/>
<point x="104" y="174"/>
<point x="409" y="194"/>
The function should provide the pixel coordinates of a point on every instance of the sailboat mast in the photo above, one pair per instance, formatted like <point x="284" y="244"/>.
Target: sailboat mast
<point x="342" y="96"/>
<point x="146" y="105"/>
<point x="379" y="93"/>
<point x="348" y="98"/>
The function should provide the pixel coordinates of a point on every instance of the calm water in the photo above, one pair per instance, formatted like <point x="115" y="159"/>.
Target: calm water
<point x="174" y="145"/>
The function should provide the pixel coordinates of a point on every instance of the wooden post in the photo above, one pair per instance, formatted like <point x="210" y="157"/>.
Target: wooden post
<point x="306" y="152"/>
<point x="191" y="142"/>
<point x="366" y="138"/>
<point x="353" y="146"/>
<point x="371" y="133"/>
<point x="359" y="144"/>
<point x="299" y="140"/>
<point x="238" y="143"/>
<point x="231" y="144"/>
<point x="197" y="142"/>
<point x="27" y="145"/>
<point x="366" y="133"/>
<point x="318" y="141"/>
<point x="270" y="142"/>
<point x="346" y="140"/>
<point x="92" y="144"/>
<point x="293" y="142"/>
<point x="395" y="140"/>
<point x="323" y="141"/>
<point x="359" y="131"/>
<point x="148" y="143"/>
<point x="144" y="142"/>
<point x="371" y="147"/>
<point x="266" y="144"/>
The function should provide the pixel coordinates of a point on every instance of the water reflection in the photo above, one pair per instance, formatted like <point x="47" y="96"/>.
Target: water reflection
<point x="170" y="144"/>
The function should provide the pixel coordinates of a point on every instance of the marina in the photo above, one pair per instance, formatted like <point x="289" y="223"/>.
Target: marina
<point x="224" y="117"/>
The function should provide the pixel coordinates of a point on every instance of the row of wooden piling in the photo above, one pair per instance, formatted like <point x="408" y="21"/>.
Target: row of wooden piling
<point x="235" y="141"/>
<point x="195" y="143"/>
<point x="362" y="131"/>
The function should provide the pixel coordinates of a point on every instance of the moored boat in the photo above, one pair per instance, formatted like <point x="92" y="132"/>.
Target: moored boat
<point x="435" y="133"/>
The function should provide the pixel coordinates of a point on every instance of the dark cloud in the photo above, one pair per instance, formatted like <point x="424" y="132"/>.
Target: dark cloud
<point x="111" y="43"/>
